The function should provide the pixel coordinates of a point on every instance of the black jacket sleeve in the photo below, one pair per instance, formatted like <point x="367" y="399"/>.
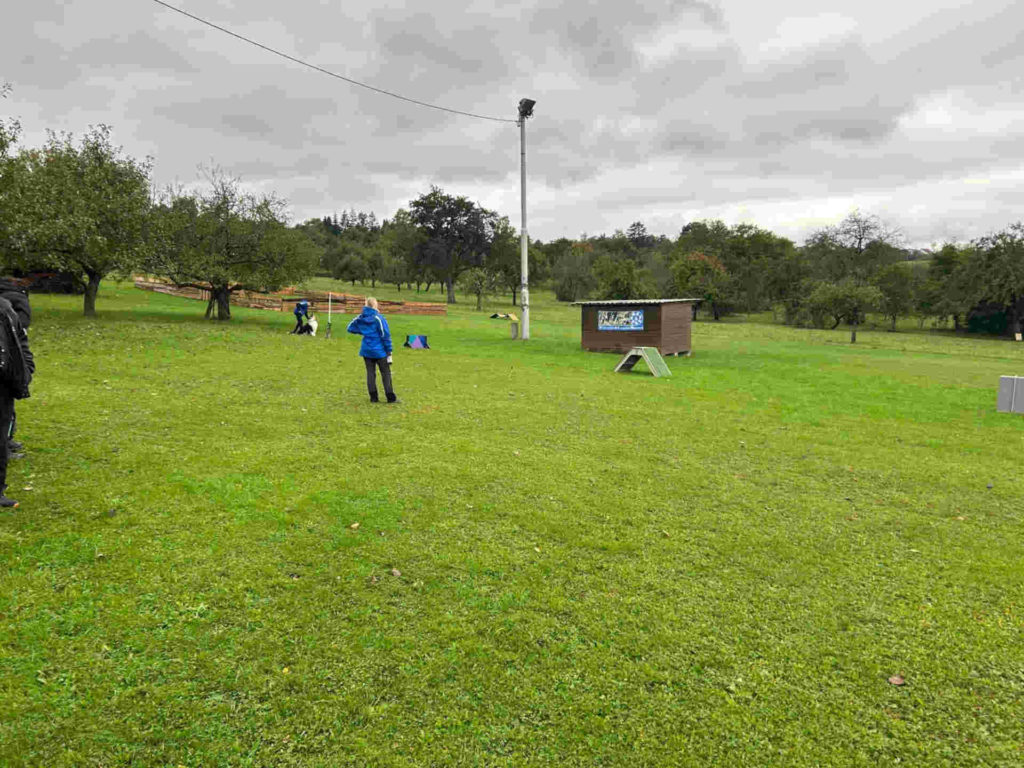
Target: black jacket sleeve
<point x="30" y="361"/>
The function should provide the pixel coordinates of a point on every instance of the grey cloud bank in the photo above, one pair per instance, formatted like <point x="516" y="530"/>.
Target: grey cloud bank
<point x="785" y="114"/>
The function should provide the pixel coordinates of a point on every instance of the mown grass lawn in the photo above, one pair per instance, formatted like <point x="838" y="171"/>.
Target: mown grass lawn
<point x="553" y="564"/>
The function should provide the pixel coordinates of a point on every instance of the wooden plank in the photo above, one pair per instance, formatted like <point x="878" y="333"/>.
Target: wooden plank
<point x="627" y="362"/>
<point x="655" y="361"/>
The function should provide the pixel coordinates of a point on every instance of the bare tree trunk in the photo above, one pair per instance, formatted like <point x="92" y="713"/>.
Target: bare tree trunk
<point x="92" y="288"/>
<point x="513" y="295"/>
<point x="853" y="331"/>
<point x="223" y="297"/>
<point x="210" y="305"/>
<point x="479" y="301"/>
<point x="449" y="286"/>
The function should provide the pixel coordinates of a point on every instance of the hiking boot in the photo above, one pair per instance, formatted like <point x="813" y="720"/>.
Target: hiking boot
<point x="393" y="399"/>
<point x="374" y="399"/>
<point x="6" y="502"/>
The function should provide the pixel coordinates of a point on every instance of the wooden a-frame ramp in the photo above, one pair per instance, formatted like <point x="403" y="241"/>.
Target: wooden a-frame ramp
<point x="650" y="355"/>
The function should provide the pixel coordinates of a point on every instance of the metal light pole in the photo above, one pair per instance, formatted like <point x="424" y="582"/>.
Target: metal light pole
<point x="525" y="111"/>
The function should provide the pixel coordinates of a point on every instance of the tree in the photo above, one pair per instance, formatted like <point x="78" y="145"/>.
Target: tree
<point x="701" y="275"/>
<point x="82" y="209"/>
<point x="622" y="278"/>
<point x="710" y="237"/>
<point x="400" y="238"/>
<point x="853" y="249"/>
<point x="637" y="234"/>
<point x="846" y="300"/>
<point x="478" y="281"/>
<point x="9" y="132"/>
<point x="947" y="288"/>
<point x="10" y="129"/>
<point x="458" y="235"/>
<point x="227" y="240"/>
<point x="896" y="284"/>
<point x="574" y="278"/>
<point x="504" y="262"/>
<point x="751" y="256"/>
<point x="996" y="273"/>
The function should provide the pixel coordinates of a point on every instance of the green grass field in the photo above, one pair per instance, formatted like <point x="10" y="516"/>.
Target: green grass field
<point x="553" y="564"/>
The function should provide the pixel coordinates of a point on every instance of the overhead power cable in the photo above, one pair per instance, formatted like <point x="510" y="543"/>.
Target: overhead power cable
<point x="327" y="71"/>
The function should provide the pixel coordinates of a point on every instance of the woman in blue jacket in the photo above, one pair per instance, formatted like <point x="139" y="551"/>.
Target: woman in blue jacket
<point x="375" y="349"/>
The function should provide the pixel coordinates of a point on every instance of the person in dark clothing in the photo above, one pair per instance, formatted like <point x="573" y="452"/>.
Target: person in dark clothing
<point x="301" y="313"/>
<point x="18" y="296"/>
<point x="375" y="349"/>
<point x="14" y="385"/>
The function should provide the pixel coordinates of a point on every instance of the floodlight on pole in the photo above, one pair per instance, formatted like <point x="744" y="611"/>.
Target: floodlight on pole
<point x="525" y="111"/>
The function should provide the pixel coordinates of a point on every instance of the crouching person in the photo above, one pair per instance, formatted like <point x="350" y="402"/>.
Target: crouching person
<point x="375" y="349"/>
<point x="16" y="369"/>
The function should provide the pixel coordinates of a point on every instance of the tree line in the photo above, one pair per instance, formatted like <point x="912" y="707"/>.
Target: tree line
<point x="839" y="275"/>
<point x="86" y="208"/>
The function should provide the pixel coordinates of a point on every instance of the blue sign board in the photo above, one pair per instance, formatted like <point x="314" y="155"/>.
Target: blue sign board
<point x="620" y="320"/>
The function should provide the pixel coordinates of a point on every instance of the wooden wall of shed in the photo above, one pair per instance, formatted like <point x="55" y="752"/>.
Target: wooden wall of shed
<point x="676" y="323"/>
<point x="621" y="341"/>
<point x="666" y="326"/>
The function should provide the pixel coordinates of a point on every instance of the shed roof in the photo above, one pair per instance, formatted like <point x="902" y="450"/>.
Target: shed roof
<point x="608" y="302"/>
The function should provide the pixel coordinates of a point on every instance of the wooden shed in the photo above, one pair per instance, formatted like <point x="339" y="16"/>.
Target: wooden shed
<point x="618" y="326"/>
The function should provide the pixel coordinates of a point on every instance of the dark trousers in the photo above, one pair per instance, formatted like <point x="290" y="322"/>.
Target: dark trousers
<point x="372" y="363"/>
<point x="298" y="324"/>
<point x="6" y="417"/>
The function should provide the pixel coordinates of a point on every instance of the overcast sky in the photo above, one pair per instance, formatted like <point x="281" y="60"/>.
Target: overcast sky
<point x="785" y="114"/>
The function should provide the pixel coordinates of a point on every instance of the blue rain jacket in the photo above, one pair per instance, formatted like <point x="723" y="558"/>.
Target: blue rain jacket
<point x="301" y="308"/>
<point x="372" y="326"/>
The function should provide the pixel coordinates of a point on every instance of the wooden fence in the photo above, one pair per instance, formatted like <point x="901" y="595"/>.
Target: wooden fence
<point x="284" y="301"/>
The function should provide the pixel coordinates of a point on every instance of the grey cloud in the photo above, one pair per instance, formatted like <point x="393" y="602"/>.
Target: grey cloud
<point x="969" y="47"/>
<point x="602" y="36"/>
<point x="266" y="111"/>
<point x="831" y="67"/>
<point x="1009" y="53"/>
<point x="419" y="39"/>
<point x="57" y="65"/>
<point x="247" y="124"/>
<point x="821" y="121"/>
<point x="869" y="122"/>
<point x="256" y="167"/>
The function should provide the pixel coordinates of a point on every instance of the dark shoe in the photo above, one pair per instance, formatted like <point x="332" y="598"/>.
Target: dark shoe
<point x="374" y="399"/>
<point x="393" y="399"/>
<point x="14" y="446"/>
<point x="5" y="502"/>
